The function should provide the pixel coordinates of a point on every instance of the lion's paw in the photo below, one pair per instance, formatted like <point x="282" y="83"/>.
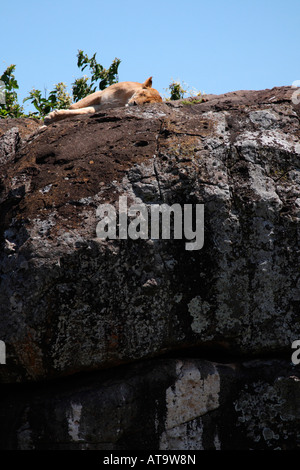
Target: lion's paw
<point x="53" y="116"/>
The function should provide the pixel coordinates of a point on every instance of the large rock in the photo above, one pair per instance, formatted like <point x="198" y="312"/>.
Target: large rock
<point x="13" y="133"/>
<point x="73" y="303"/>
<point x="164" y="404"/>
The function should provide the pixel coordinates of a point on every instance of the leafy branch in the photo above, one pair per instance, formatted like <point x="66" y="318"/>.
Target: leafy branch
<point x="58" y="98"/>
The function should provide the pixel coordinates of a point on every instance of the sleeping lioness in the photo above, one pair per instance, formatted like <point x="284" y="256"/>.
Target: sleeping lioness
<point x="119" y="94"/>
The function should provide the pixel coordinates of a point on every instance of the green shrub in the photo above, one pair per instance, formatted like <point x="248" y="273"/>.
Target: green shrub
<point x="176" y="90"/>
<point x="58" y="98"/>
<point x="10" y="107"/>
<point x="100" y="77"/>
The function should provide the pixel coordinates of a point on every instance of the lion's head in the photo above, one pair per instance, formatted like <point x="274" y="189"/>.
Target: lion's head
<point x="146" y="94"/>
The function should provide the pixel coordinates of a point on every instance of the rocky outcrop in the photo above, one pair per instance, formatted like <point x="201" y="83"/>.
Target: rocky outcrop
<point x="195" y="343"/>
<point x="12" y="131"/>
<point x="163" y="404"/>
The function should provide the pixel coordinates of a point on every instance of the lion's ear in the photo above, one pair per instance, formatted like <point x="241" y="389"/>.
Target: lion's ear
<point x="148" y="83"/>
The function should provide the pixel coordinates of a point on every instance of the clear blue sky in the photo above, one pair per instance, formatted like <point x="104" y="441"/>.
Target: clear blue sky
<point x="213" y="46"/>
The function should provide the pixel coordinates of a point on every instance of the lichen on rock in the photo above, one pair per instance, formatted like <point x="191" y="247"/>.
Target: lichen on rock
<point x="72" y="303"/>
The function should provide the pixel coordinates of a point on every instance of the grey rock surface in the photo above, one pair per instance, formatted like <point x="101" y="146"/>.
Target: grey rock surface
<point x="9" y="143"/>
<point x="163" y="404"/>
<point x="71" y="303"/>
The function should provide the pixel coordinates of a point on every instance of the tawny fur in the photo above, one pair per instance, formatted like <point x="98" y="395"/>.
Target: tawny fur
<point x="119" y="94"/>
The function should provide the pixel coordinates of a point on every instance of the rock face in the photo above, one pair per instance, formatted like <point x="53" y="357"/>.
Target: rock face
<point x="125" y="332"/>
<point x="165" y="404"/>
